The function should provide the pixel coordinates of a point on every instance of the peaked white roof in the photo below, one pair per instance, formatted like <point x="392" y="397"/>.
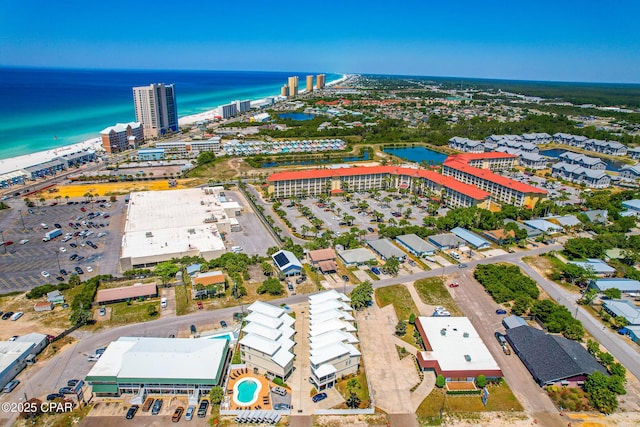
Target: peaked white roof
<point x="266" y="309"/>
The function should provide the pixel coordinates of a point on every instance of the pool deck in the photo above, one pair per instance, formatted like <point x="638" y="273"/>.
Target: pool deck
<point x="264" y="398"/>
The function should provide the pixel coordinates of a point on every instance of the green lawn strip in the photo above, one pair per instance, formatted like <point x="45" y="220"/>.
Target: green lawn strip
<point x="399" y="296"/>
<point x="433" y="291"/>
<point x="182" y="300"/>
<point x="121" y="313"/>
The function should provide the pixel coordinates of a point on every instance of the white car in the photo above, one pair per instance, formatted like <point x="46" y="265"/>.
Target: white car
<point x="44" y="274"/>
<point x="90" y="269"/>
<point x="63" y="249"/>
<point x="23" y="241"/>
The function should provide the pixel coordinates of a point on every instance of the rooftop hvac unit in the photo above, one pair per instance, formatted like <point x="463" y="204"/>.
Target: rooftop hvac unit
<point x="148" y="234"/>
<point x="465" y="335"/>
<point x="443" y="331"/>
<point x="467" y="358"/>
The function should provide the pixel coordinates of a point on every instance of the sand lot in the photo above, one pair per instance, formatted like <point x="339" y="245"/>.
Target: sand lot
<point x="116" y="188"/>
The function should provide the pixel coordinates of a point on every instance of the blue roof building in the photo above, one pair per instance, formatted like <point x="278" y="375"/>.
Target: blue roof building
<point x="445" y="241"/>
<point x="193" y="269"/>
<point x="623" y="308"/>
<point x="632" y="205"/>
<point x="472" y="238"/>
<point x="416" y="245"/>
<point x="544" y="226"/>
<point x="596" y="266"/>
<point x="151" y="154"/>
<point x="287" y="263"/>
<point x="625" y="285"/>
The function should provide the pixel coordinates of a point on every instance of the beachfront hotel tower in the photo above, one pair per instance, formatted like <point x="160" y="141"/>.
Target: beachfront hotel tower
<point x="156" y="108"/>
<point x="293" y="86"/>
<point x="309" y="87"/>
<point x="284" y="91"/>
<point x="320" y="81"/>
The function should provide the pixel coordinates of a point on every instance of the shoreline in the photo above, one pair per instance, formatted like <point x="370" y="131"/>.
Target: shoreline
<point x="11" y="164"/>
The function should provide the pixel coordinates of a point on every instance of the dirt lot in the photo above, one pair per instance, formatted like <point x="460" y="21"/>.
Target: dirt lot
<point x="107" y="188"/>
<point x="46" y="322"/>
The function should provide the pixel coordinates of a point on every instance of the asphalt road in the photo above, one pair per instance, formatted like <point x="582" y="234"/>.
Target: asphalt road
<point x="72" y="363"/>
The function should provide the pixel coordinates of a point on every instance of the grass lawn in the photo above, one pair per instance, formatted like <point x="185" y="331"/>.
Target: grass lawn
<point x="358" y="386"/>
<point x="121" y="313"/>
<point x="433" y="291"/>
<point x="501" y="399"/>
<point x="183" y="300"/>
<point x="399" y="296"/>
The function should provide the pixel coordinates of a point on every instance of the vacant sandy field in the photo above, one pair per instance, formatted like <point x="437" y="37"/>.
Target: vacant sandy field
<point x="116" y="188"/>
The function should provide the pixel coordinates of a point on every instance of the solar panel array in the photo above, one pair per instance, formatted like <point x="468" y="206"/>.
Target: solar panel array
<point x="281" y="259"/>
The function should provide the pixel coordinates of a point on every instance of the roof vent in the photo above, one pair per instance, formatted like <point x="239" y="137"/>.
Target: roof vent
<point x="465" y="334"/>
<point x="467" y="358"/>
<point x="148" y="234"/>
<point x="443" y="331"/>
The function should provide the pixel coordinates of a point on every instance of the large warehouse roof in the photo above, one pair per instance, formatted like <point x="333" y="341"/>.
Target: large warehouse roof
<point x="162" y="359"/>
<point x="164" y="224"/>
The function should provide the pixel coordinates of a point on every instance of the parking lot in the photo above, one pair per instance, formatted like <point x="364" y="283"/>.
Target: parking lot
<point x="28" y="257"/>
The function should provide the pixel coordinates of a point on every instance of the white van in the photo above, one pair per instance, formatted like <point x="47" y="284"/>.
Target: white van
<point x="236" y="249"/>
<point x="45" y="226"/>
<point x="16" y="316"/>
<point x="163" y="303"/>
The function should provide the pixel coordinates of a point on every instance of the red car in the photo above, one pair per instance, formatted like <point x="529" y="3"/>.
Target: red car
<point x="454" y="285"/>
<point x="83" y="209"/>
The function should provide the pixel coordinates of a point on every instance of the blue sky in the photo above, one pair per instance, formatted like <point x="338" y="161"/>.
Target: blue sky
<point x="534" y="40"/>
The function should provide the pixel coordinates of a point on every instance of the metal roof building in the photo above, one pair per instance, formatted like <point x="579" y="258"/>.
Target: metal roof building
<point x="287" y="262"/>
<point x="13" y="357"/>
<point x="543" y="225"/>
<point x="159" y="365"/>
<point x="472" y="238"/>
<point x="623" y="308"/>
<point x="385" y="249"/>
<point x="511" y="322"/>
<point x="446" y="241"/>
<point x="596" y="266"/>
<point x="356" y="256"/>
<point x="416" y="245"/>
<point x="625" y="285"/>
<point x="531" y="232"/>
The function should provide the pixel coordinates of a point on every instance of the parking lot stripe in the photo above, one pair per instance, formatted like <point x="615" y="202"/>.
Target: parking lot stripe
<point x="5" y="284"/>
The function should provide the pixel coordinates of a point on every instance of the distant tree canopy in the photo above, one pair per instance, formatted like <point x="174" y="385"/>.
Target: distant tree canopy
<point x="506" y="282"/>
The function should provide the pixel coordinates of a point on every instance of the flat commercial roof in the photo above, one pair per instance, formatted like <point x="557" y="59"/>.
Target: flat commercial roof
<point x="124" y="292"/>
<point x="625" y="309"/>
<point x="625" y="285"/>
<point x="460" y="339"/>
<point x="173" y="360"/>
<point x="22" y="162"/>
<point x="10" y="351"/>
<point x="171" y="223"/>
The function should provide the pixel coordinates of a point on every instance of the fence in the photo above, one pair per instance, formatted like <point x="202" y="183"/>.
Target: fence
<point x="367" y="411"/>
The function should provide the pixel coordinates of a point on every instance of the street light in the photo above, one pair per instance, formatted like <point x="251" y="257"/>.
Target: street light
<point x="58" y="259"/>
<point x="24" y="229"/>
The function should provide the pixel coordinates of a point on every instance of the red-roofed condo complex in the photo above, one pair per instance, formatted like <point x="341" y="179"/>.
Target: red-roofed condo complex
<point x="468" y="181"/>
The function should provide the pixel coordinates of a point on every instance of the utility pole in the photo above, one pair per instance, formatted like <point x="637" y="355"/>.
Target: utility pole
<point x="24" y="229"/>
<point x="58" y="259"/>
<point x="3" y="243"/>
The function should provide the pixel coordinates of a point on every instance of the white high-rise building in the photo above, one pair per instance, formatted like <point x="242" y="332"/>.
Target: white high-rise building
<point x="243" y="106"/>
<point x="156" y="108"/>
<point x="228" y="110"/>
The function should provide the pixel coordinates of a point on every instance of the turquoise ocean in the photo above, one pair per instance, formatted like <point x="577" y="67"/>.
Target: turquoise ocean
<point x="44" y="108"/>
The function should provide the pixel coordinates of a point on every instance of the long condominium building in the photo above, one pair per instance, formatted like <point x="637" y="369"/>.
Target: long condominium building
<point x="293" y="86"/>
<point x="320" y="81"/>
<point x="477" y="169"/>
<point x="467" y="180"/>
<point x="156" y="108"/>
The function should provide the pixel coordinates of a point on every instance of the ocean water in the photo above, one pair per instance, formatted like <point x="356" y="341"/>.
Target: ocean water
<point x="48" y="108"/>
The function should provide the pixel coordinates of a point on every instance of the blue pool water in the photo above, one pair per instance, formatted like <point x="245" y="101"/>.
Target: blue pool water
<point x="300" y="117"/>
<point x="417" y="154"/>
<point x="246" y="391"/>
<point x="226" y="336"/>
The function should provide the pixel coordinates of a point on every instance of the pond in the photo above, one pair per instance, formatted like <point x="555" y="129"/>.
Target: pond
<point x="612" y="165"/>
<point x="318" y="161"/>
<point x="417" y="154"/>
<point x="300" y="117"/>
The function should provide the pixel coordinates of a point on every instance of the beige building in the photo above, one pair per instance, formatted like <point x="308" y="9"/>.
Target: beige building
<point x="284" y="91"/>
<point x="333" y="354"/>
<point x="320" y="81"/>
<point x="309" y="87"/>
<point x="122" y="136"/>
<point x="293" y="86"/>
<point x="156" y="108"/>
<point x="268" y="340"/>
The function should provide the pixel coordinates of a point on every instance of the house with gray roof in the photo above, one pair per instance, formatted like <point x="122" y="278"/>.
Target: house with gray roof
<point x="416" y="245"/>
<point x="467" y="145"/>
<point x="567" y="221"/>
<point x="596" y="266"/>
<point x="622" y="308"/>
<point x="597" y="215"/>
<point x="593" y="178"/>
<point x="446" y="241"/>
<point x="532" y="160"/>
<point x="358" y="256"/>
<point x="531" y="232"/>
<point x="537" y="137"/>
<point x="634" y="153"/>
<point x="473" y="239"/>
<point x="582" y="160"/>
<point x="629" y="173"/>
<point x="385" y="249"/>
<point x="552" y="359"/>
<point x="544" y="226"/>
<point x="625" y="285"/>
<point x="632" y="206"/>
<point x="613" y="148"/>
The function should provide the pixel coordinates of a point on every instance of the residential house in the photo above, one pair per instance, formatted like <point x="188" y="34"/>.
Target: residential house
<point x="324" y="260"/>
<point x="287" y="263"/>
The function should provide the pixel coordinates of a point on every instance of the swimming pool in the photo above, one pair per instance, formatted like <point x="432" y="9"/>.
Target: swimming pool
<point x="246" y="391"/>
<point x="229" y="336"/>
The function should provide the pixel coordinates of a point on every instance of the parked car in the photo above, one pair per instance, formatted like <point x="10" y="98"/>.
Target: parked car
<point x="54" y="396"/>
<point x="318" y="397"/>
<point x="501" y="311"/>
<point x="44" y="274"/>
<point x="66" y="390"/>
<point x="157" y="406"/>
<point x="345" y="277"/>
<point x="462" y="265"/>
<point x="7" y="315"/>
<point x="63" y="272"/>
<point x="147" y="404"/>
<point x="454" y="285"/>
<point x="16" y="316"/>
<point x="90" y="269"/>
<point x="370" y="229"/>
<point x="375" y="270"/>
<point x="23" y="241"/>
<point x="103" y="311"/>
<point x="223" y="324"/>
<point x="202" y="409"/>
<point x="193" y="329"/>
<point x="79" y="270"/>
<point x="72" y="383"/>
<point x="132" y="412"/>
<point x="177" y="414"/>
<point x="281" y="407"/>
<point x="189" y="414"/>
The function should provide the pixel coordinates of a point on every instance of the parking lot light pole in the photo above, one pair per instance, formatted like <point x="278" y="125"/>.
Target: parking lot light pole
<point x="58" y="259"/>
<point x="24" y="229"/>
<point x="3" y="242"/>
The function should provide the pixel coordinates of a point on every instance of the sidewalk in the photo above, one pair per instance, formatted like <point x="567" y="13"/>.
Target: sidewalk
<point x="424" y="309"/>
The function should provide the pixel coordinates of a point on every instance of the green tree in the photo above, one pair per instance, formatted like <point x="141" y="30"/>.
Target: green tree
<point x="152" y="310"/>
<point x="600" y="394"/>
<point x="612" y="293"/>
<point x="401" y="328"/>
<point x="574" y="331"/>
<point x="412" y="319"/>
<point x="271" y="286"/>
<point x="216" y="395"/>
<point x="166" y="270"/>
<point x="267" y="268"/>
<point x="206" y="157"/>
<point x="521" y="304"/>
<point x="74" y="280"/>
<point x="362" y="295"/>
<point x="481" y="381"/>
<point x="440" y="381"/>
<point x="593" y="347"/>
<point x="392" y="265"/>
<point x="589" y="295"/>
<point x="353" y="401"/>
<point x="80" y="317"/>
